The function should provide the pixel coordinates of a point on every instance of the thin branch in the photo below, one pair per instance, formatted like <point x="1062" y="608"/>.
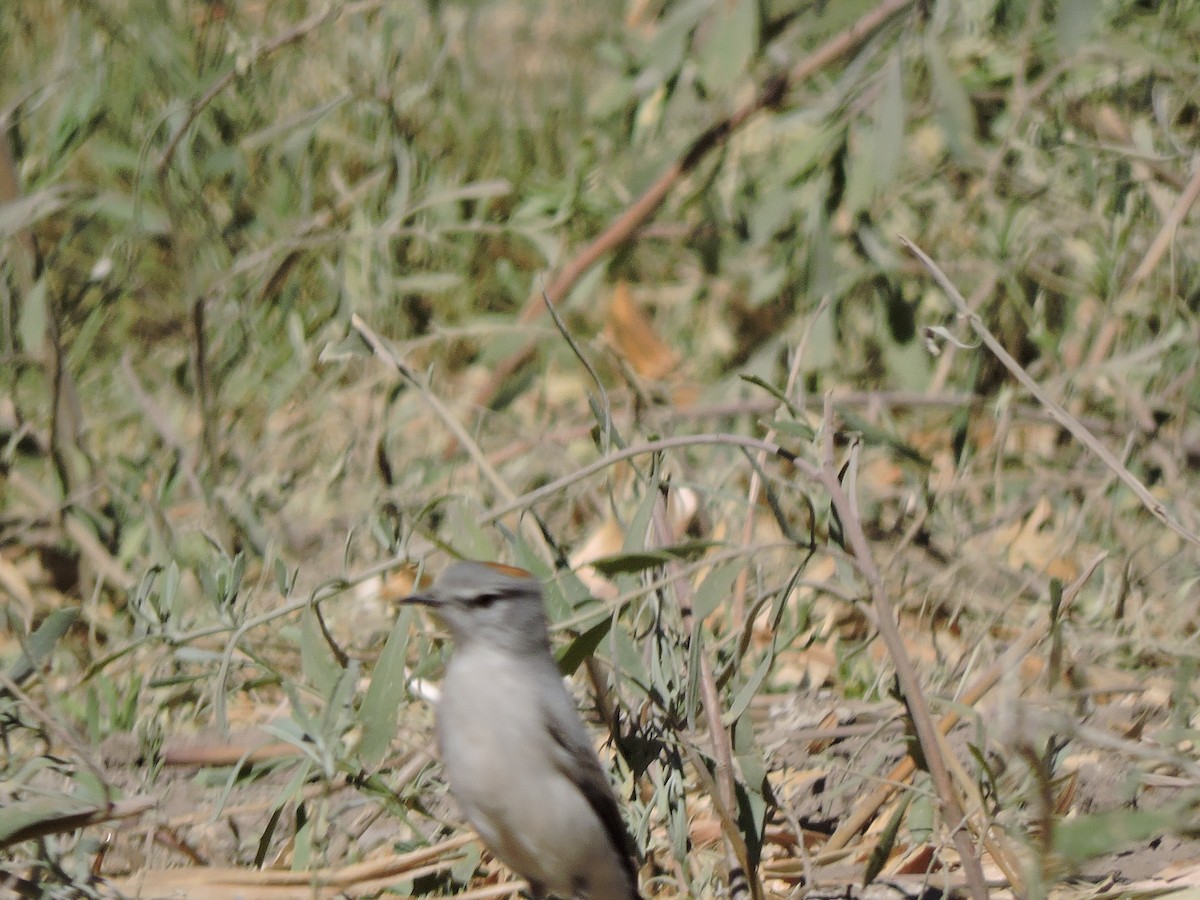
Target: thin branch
<point x="289" y="36"/>
<point x="620" y="229"/>
<point x="1056" y="411"/>
<point x="606" y="406"/>
<point x="722" y="792"/>
<point x="910" y="682"/>
<point x="672" y="443"/>
<point x="385" y="353"/>
<point x="738" y="606"/>
<point x="359" y="878"/>
<point x="1166" y="233"/>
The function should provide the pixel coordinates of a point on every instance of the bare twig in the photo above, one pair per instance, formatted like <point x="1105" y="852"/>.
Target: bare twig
<point x="385" y="353"/>
<point x="865" y="810"/>
<point x="723" y="792"/>
<point x="1056" y="410"/>
<point x="687" y="440"/>
<point x="738" y="607"/>
<point x="289" y="36"/>
<point x="635" y="215"/>
<point x="359" y="878"/>
<point x="910" y="682"/>
<point x="1166" y="233"/>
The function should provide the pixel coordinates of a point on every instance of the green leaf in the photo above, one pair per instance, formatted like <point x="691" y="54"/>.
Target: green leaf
<point x="639" y="527"/>
<point x="45" y="815"/>
<point x="611" y="96"/>
<point x="920" y="818"/>
<point x="691" y="692"/>
<point x="334" y="721"/>
<point x="771" y="389"/>
<point x="774" y="211"/>
<point x="284" y="580"/>
<point x="714" y="590"/>
<point x="475" y="190"/>
<point x="749" y="689"/>
<point x="789" y="428"/>
<point x="349" y="347"/>
<point x="640" y="560"/>
<point x="768" y="285"/>
<point x="40" y="644"/>
<point x="584" y="646"/>
<point x="302" y="842"/>
<point x="470" y="540"/>
<point x="320" y="667"/>
<point x="35" y="315"/>
<point x="753" y="789"/>
<point x="1077" y="20"/>
<point x="860" y="169"/>
<point x="427" y="283"/>
<point x="889" y="124"/>
<point x="171" y="601"/>
<point x="887" y="840"/>
<point x="874" y="435"/>
<point x="23" y="213"/>
<point x="663" y="55"/>
<point x="381" y="706"/>
<point x="954" y="112"/>
<point x="909" y="365"/>
<point x="463" y="868"/>
<point x="728" y="43"/>
<point x="820" y="274"/>
<point x="806" y="149"/>
<point x="1088" y="836"/>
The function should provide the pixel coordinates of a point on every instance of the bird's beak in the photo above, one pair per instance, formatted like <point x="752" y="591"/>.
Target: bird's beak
<point x="424" y="599"/>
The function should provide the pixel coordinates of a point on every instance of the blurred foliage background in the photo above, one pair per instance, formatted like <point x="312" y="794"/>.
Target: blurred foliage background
<point x="198" y="443"/>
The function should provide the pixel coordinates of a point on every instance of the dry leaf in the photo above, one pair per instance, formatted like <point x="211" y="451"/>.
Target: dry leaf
<point x="607" y="540"/>
<point x="1033" y="543"/>
<point x="632" y="333"/>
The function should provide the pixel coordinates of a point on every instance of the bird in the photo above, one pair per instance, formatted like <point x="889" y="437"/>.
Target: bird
<point x="515" y="752"/>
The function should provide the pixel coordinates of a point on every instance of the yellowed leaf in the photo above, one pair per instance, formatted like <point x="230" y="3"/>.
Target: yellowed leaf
<point x="633" y="334"/>
<point x="1033" y="543"/>
<point x="606" y="540"/>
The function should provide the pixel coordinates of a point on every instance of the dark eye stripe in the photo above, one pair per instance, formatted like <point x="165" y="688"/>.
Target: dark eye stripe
<point x="486" y="600"/>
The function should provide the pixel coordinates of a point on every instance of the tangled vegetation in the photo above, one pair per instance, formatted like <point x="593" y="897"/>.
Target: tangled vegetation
<point x="834" y="364"/>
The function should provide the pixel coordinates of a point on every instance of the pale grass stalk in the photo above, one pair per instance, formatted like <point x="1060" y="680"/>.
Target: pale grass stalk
<point x="1053" y="407"/>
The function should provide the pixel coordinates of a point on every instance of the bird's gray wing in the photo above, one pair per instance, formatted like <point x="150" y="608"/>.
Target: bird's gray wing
<point x="576" y="759"/>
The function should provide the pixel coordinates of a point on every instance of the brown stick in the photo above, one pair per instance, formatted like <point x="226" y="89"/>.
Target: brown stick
<point x="723" y="790"/>
<point x="865" y="810"/>
<point x="1060" y="415"/>
<point x="1166" y="233"/>
<point x="624" y="225"/>
<point x="63" y="815"/>
<point x="910" y="682"/>
<point x="288" y="36"/>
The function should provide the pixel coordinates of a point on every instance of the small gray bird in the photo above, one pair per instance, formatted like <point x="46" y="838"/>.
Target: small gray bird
<point x="515" y="751"/>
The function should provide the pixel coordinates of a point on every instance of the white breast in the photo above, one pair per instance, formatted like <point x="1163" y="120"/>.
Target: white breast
<point x="498" y="761"/>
